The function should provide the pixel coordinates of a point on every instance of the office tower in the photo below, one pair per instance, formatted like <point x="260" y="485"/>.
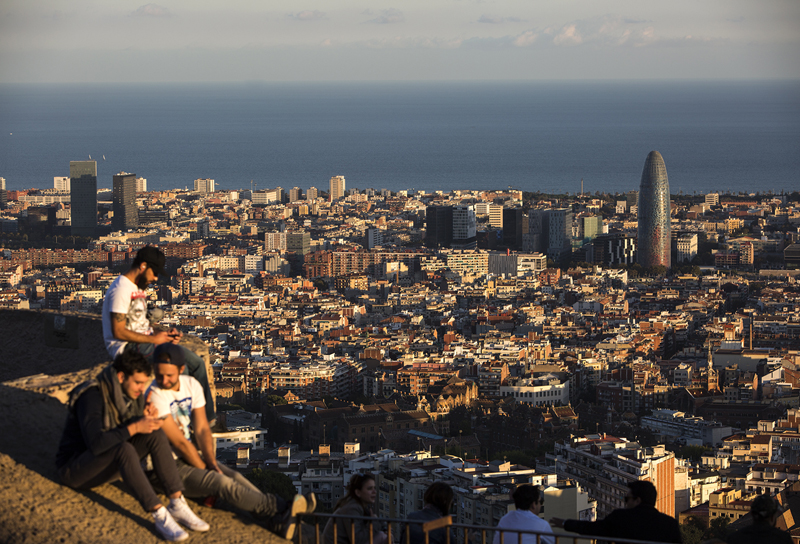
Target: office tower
<point x="312" y="193"/>
<point x="464" y="227"/>
<point x="439" y="226"/>
<point x="203" y="228"/>
<point x="515" y="225"/>
<point x="589" y="226"/>
<point x="83" y="197"/>
<point x="654" y="222"/>
<point x="61" y="184"/>
<point x="295" y="194"/>
<point x="3" y="184"/>
<point x="632" y="198"/>
<point x="126" y="215"/>
<point x="554" y="228"/>
<point x="337" y="188"/>
<point x="712" y="199"/>
<point x="298" y="243"/>
<point x="141" y="185"/>
<point x="614" y="250"/>
<point x="495" y="213"/>
<point x="204" y="185"/>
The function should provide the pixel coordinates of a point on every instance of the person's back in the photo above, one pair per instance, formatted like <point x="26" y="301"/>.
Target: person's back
<point x="529" y="503"/>
<point x="764" y="510"/>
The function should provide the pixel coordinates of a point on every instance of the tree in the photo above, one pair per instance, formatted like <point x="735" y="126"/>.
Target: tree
<point x="692" y="452"/>
<point x="276" y="483"/>
<point x="717" y="529"/>
<point x="275" y="400"/>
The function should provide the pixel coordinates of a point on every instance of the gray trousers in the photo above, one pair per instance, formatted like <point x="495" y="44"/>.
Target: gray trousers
<point x="230" y="486"/>
<point x="88" y="470"/>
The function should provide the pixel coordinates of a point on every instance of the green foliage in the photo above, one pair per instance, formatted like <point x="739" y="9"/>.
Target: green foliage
<point x="274" y="400"/>
<point x="718" y="528"/>
<point x="276" y="483"/>
<point x="691" y="534"/>
<point x="692" y="452"/>
<point x="228" y="407"/>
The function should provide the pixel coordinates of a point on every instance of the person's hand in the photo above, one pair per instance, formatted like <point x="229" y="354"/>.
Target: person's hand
<point x="162" y="337"/>
<point x="149" y="409"/>
<point x="557" y="522"/>
<point x="147" y="425"/>
<point x="175" y="334"/>
<point x="212" y="465"/>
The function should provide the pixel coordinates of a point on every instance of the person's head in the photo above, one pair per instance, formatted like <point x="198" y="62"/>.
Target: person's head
<point x="362" y="489"/>
<point x="148" y="264"/>
<point x="640" y="492"/>
<point x="528" y="497"/>
<point x="439" y="495"/>
<point x="133" y="372"/>
<point x="168" y="363"/>
<point x="765" y="509"/>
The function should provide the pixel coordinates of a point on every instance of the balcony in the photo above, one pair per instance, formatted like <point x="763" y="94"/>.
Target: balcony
<point x="396" y="530"/>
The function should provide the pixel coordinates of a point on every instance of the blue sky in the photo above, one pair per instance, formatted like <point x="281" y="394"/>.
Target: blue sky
<point x="353" y="40"/>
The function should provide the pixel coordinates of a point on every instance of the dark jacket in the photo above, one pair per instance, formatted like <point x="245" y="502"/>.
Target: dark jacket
<point x="760" y="533"/>
<point x="640" y="523"/>
<point x="429" y="513"/>
<point x="344" y="527"/>
<point x="97" y="418"/>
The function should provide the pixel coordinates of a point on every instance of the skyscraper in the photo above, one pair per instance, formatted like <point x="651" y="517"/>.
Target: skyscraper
<point x="439" y="226"/>
<point x="337" y="188"/>
<point x="654" y="222"/>
<point x="83" y="197"/>
<point x="204" y="185"/>
<point x="312" y="193"/>
<point x="126" y="215"/>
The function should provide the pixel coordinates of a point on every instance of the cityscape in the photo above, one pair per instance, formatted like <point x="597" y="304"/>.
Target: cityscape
<point x="485" y="339"/>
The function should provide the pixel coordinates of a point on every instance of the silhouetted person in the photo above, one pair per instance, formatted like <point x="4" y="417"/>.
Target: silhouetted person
<point x="765" y="511"/>
<point x="438" y="501"/>
<point x="529" y="503"/>
<point x="638" y="520"/>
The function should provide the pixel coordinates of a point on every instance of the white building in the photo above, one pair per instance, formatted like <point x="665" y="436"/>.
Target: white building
<point x="687" y="248"/>
<point x="543" y="391"/>
<point x="141" y="185"/>
<point x="336" y="188"/>
<point x="60" y="183"/>
<point x="204" y="185"/>
<point x="464" y="227"/>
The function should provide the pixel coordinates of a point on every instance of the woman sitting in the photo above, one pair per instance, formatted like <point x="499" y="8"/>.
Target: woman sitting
<point x="438" y="501"/>
<point x="359" y="501"/>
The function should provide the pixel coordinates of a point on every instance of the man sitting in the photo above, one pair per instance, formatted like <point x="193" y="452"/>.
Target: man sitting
<point x="127" y="328"/>
<point x="529" y="503"/>
<point x="109" y="430"/>
<point x="179" y="400"/>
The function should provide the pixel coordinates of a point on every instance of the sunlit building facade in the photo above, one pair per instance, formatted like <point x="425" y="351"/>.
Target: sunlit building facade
<point x="654" y="218"/>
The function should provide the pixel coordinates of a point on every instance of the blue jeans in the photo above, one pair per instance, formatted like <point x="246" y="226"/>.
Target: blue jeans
<point x="195" y="367"/>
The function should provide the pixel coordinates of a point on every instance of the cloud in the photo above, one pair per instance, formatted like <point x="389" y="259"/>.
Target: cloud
<point x="569" y="35"/>
<point x="309" y="15"/>
<point x="408" y="42"/>
<point x="388" y="16"/>
<point x="525" y="39"/>
<point x="151" y="10"/>
<point x="498" y="20"/>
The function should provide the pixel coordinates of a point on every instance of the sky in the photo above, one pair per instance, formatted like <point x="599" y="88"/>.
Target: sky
<point x="102" y="41"/>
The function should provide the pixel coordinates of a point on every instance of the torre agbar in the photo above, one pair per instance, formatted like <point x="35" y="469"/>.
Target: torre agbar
<point x="654" y="222"/>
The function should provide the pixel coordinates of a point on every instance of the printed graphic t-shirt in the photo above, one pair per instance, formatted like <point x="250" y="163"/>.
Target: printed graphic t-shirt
<point x="124" y="297"/>
<point x="179" y="403"/>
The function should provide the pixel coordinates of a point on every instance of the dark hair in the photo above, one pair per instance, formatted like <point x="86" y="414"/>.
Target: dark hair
<point x="525" y="496"/>
<point x="763" y="508"/>
<point x="129" y="362"/>
<point x="440" y="495"/>
<point x="154" y="258"/>
<point x="645" y="491"/>
<point x="168" y="353"/>
<point x="357" y="482"/>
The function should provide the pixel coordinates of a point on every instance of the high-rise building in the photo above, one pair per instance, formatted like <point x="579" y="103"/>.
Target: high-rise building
<point x="515" y="225"/>
<point x="312" y="193"/>
<point x="337" y="188"/>
<point x="83" y="197"/>
<point x="298" y="243"/>
<point x="439" y="226"/>
<point x="654" y="214"/>
<point x="464" y="227"/>
<point x="295" y="194"/>
<point x="61" y="183"/>
<point x="554" y="227"/>
<point x="3" y="184"/>
<point x="204" y="185"/>
<point x="203" y="228"/>
<point x="126" y="215"/>
<point x="141" y="185"/>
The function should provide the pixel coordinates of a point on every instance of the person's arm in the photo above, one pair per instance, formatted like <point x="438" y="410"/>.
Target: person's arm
<point x="121" y="332"/>
<point x="184" y="448"/>
<point x="594" y="528"/>
<point x="89" y="411"/>
<point x="202" y="433"/>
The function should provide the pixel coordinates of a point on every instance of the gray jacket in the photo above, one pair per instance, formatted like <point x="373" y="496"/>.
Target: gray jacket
<point x="344" y="528"/>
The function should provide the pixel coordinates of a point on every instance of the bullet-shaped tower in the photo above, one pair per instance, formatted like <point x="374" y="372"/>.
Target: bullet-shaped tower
<point x="654" y="221"/>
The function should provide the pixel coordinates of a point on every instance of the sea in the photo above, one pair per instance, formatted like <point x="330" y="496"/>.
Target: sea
<point x="725" y="136"/>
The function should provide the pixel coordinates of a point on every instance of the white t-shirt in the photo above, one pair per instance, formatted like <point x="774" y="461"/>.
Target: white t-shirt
<point x="179" y="403"/>
<point x="124" y="297"/>
<point x="524" y="520"/>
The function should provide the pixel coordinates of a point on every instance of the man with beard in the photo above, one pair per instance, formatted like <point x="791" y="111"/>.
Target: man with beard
<point x="127" y="328"/>
<point x="110" y="428"/>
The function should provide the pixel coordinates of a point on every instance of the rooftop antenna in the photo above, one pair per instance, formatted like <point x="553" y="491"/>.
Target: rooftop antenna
<point x="581" y="186"/>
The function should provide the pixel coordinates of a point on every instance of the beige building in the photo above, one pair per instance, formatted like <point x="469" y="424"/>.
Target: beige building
<point x="336" y="188"/>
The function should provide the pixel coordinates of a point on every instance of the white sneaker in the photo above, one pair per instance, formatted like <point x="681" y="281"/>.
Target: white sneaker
<point x="166" y="525"/>
<point x="184" y="515"/>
